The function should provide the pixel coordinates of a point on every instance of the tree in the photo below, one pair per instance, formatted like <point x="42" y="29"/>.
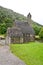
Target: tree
<point x="41" y="33"/>
<point x="8" y="22"/>
<point x="3" y="28"/>
<point x="36" y="29"/>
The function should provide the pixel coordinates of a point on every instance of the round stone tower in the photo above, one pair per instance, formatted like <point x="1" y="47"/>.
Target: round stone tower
<point x="29" y="19"/>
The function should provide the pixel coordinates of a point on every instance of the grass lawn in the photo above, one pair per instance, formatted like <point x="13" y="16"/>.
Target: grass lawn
<point x="31" y="53"/>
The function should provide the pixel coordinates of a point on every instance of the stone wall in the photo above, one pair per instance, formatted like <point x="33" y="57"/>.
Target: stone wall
<point x="7" y="40"/>
<point x="17" y="40"/>
<point x="32" y="37"/>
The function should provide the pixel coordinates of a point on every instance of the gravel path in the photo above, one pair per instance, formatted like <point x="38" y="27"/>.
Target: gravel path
<point x="2" y="42"/>
<point x="7" y="58"/>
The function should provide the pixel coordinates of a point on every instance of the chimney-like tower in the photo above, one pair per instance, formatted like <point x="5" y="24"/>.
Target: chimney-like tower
<point x="29" y="19"/>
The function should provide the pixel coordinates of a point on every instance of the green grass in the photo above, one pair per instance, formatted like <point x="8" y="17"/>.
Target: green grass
<point x="31" y="53"/>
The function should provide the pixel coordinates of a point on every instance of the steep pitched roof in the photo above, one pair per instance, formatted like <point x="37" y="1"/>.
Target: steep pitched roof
<point x="25" y="27"/>
<point x="19" y="29"/>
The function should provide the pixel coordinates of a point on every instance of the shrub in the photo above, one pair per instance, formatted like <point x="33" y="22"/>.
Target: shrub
<point x="41" y="33"/>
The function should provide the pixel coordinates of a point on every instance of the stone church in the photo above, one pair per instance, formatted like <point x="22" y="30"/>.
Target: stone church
<point x="21" y="32"/>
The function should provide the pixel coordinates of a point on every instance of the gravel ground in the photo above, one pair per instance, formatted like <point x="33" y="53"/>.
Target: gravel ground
<point x="7" y="58"/>
<point x="2" y="42"/>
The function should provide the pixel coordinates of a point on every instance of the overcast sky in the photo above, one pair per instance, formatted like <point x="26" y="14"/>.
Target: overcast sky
<point x="35" y="7"/>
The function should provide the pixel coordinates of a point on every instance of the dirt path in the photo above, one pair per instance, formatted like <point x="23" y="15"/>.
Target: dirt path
<point x="7" y="58"/>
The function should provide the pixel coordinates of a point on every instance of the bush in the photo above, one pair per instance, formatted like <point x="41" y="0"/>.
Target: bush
<point x="36" y="29"/>
<point x="41" y="33"/>
<point x="3" y="28"/>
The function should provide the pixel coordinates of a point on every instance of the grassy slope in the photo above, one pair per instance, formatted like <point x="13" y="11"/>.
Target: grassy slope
<point x="10" y="13"/>
<point x="31" y="54"/>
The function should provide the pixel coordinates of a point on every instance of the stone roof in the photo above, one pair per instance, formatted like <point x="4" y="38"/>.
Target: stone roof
<point x="25" y="27"/>
<point x="19" y="29"/>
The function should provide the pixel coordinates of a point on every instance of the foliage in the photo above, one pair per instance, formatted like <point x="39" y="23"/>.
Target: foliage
<point x="41" y="33"/>
<point x="3" y="28"/>
<point x="31" y="54"/>
<point x="5" y="20"/>
<point x="36" y="27"/>
<point x="7" y="17"/>
<point x="8" y="22"/>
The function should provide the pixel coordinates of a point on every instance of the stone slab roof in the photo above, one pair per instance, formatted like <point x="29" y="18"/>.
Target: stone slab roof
<point x="25" y="27"/>
<point x="20" y="29"/>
